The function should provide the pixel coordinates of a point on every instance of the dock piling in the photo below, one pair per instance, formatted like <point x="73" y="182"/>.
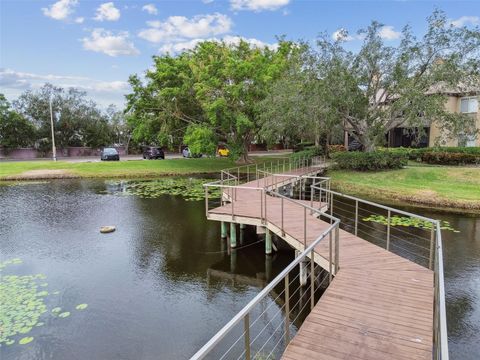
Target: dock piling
<point x="233" y="235"/>
<point x="268" y="241"/>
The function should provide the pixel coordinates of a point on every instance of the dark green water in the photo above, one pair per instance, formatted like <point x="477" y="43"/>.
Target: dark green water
<point x="160" y="286"/>
<point x="156" y="288"/>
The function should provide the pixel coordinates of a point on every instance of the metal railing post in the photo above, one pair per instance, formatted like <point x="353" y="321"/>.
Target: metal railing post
<point x="388" y="229"/>
<point x="331" y="207"/>
<point x="356" y="217"/>
<point x="206" y="200"/>
<point x="287" y="309"/>
<point x="265" y="205"/>
<point x="233" y="214"/>
<point x="246" y="326"/>
<point x="312" y="280"/>
<point x="261" y="207"/>
<point x="304" y="228"/>
<point x="283" y="231"/>
<point x="330" y="257"/>
<point x="432" y="246"/>
<point x="311" y="199"/>
<point x="337" y="248"/>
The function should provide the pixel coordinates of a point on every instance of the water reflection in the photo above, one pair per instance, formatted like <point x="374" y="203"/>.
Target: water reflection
<point x="150" y="285"/>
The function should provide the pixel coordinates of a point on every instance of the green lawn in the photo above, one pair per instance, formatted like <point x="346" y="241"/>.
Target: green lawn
<point x="438" y="186"/>
<point x="132" y="168"/>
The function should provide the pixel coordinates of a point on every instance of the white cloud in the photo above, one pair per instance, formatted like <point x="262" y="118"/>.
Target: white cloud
<point x="108" y="12"/>
<point x="106" y="42"/>
<point x="105" y="92"/>
<point x="176" y="47"/>
<point x="150" y="8"/>
<point x="79" y="20"/>
<point x="464" y="20"/>
<point x="342" y="35"/>
<point x="257" y="5"/>
<point x="176" y="28"/>
<point x="60" y="10"/>
<point x="388" y="33"/>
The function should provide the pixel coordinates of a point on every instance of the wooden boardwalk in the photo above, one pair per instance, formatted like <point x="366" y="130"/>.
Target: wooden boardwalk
<point x="378" y="306"/>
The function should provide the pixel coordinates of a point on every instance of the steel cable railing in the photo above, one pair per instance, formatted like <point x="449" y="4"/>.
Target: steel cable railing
<point x="273" y="179"/>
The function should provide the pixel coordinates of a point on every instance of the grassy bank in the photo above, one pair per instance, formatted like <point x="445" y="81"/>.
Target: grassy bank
<point x="134" y="168"/>
<point x="441" y="187"/>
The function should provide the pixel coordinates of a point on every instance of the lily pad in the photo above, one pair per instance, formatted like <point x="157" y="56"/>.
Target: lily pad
<point x="64" y="314"/>
<point x="56" y="310"/>
<point x="81" y="306"/>
<point x="25" y="340"/>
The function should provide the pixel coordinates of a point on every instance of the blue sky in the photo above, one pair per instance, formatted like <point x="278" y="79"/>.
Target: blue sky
<point x="96" y="45"/>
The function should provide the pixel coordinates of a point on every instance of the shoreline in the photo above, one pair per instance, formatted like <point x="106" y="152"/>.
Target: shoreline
<point x="393" y="198"/>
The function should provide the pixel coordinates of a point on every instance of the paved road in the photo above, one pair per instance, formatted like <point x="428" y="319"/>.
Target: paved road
<point x="139" y="157"/>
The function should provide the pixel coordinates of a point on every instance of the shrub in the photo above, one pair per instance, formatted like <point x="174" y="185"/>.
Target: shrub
<point x="336" y="148"/>
<point x="417" y="153"/>
<point x="450" y="158"/>
<point x="365" y="161"/>
<point x="307" y="153"/>
<point x="303" y="146"/>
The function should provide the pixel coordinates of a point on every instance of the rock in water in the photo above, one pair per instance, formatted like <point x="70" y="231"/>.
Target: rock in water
<point x="107" y="229"/>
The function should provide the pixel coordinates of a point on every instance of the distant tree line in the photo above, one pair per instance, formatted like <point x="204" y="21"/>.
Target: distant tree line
<point x="77" y="120"/>
<point x="240" y="93"/>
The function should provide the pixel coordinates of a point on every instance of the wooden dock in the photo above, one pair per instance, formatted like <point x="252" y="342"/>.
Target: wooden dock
<point x="378" y="306"/>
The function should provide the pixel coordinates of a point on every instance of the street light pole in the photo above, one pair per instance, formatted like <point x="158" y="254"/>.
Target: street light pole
<point x="54" y="150"/>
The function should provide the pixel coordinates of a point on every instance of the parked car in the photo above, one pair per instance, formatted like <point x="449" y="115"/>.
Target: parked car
<point x="223" y="151"/>
<point x="153" y="152"/>
<point x="187" y="153"/>
<point x="355" y="145"/>
<point x="109" y="154"/>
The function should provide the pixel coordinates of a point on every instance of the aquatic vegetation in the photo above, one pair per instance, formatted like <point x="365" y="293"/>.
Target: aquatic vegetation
<point x="396" y="220"/>
<point x="23" y="302"/>
<point x="191" y="189"/>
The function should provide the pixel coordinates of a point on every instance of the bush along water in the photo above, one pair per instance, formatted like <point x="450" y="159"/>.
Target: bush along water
<point x="369" y="161"/>
<point x="441" y="155"/>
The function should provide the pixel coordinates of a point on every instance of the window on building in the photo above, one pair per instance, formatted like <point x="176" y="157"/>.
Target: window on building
<point x="469" y="105"/>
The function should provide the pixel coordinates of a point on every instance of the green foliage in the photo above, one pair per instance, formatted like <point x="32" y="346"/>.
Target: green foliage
<point x="22" y="304"/>
<point x="15" y="130"/>
<point x="308" y="153"/>
<point x="377" y="160"/>
<point x="216" y="86"/>
<point x="201" y="140"/>
<point x="191" y="189"/>
<point x="450" y="158"/>
<point x="77" y="120"/>
<point x="441" y="155"/>
<point x="396" y="220"/>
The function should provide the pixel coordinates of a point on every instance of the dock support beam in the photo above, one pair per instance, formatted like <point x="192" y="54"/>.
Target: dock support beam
<point x="268" y="241"/>
<point x="233" y="235"/>
<point x="243" y="226"/>
<point x="224" y="229"/>
<point x="303" y="270"/>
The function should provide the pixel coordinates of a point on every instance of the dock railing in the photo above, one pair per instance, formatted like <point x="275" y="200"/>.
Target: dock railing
<point x="411" y="236"/>
<point x="414" y="237"/>
<point x="262" y="330"/>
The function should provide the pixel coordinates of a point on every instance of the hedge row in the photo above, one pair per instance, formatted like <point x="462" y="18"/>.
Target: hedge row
<point x="366" y="161"/>
<point x="450" y="158"/>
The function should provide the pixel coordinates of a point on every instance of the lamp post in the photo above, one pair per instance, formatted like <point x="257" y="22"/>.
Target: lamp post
<point x="54" y="150"/>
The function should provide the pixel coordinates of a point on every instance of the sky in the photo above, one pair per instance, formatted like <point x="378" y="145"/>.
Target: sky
<point x="95" y="45"/>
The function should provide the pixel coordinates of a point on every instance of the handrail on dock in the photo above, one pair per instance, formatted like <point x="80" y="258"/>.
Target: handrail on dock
<point x="344" y="211"/>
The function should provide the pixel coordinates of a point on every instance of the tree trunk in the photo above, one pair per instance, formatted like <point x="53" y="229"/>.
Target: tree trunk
<point x="244" y="158"/>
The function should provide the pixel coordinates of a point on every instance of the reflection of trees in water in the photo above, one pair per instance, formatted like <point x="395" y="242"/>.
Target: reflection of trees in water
<point x="175" y="240"/>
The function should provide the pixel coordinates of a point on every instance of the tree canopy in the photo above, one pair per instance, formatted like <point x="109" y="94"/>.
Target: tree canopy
<point x="380" y="87"/>
<point x="15" y="130"/>
<point x="215" y="85"/>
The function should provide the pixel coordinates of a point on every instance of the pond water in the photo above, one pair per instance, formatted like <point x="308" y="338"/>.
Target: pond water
<point x="156" y="288"/>
<point x="161" y="285"/>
